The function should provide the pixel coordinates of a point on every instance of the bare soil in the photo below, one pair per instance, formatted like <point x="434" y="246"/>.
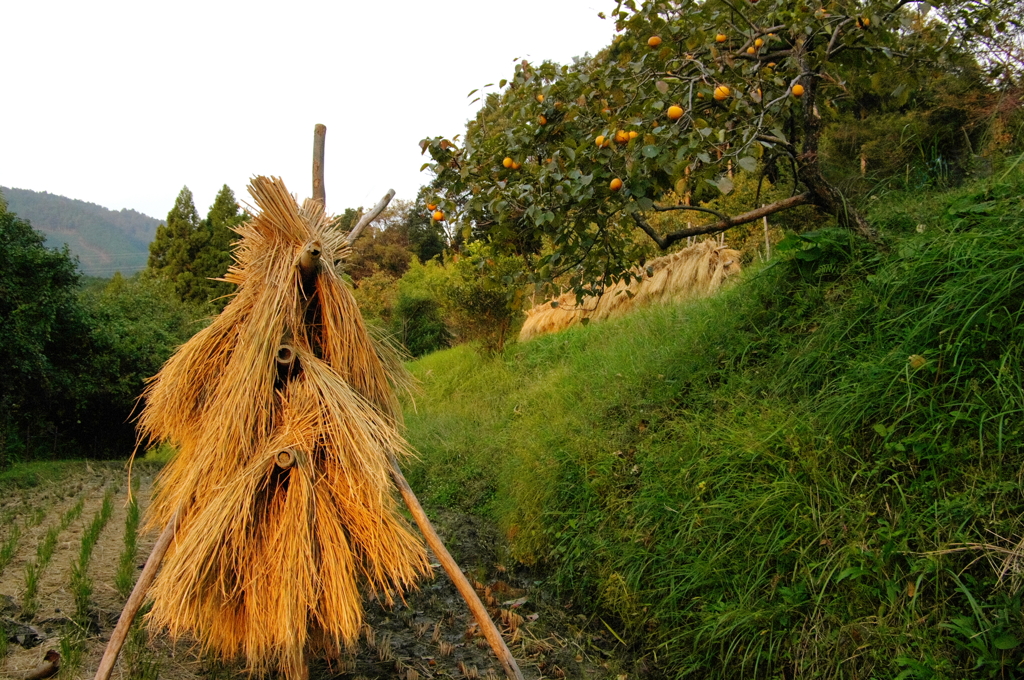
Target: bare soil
<point x="430" y="635"/>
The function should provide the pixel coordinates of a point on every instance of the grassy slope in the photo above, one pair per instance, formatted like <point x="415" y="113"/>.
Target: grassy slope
<point x="816" y="473"/>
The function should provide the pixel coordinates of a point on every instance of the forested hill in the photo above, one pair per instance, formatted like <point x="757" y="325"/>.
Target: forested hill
<point x="105" y="241"/>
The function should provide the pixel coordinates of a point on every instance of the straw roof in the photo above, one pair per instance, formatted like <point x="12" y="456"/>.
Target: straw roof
<point x="695" y="271"/>
<point x="272" y="548"/>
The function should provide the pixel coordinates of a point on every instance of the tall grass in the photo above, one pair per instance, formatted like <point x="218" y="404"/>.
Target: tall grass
<point x="815" y="474"/>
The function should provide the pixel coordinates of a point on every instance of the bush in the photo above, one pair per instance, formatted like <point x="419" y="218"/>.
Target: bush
<point x="418" y="324"/>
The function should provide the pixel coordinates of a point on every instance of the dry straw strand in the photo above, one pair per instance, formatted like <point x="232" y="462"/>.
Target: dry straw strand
<point x="268" y="562"/>
<point x="695" y="271"/>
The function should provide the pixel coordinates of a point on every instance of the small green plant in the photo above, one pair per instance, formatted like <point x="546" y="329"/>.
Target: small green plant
<point x="44" y="551"/>
<point x="29" y="601"/>
<point x="3" y="642"/>
<point x="9" y="547"/>
<point x="125" y="577"/>
<point x="71" y="514"/>
<point x="137" y="658"/>
<point x="72" y="644"/>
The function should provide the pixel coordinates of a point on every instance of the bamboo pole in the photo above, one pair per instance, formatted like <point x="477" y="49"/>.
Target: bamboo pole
<point x="135" y="600"/>
<point x="487" y="626"/>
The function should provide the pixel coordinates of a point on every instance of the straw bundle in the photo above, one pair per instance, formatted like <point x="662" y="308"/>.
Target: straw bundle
<point x="284" y="417"/>
<point x="695" y="271"/>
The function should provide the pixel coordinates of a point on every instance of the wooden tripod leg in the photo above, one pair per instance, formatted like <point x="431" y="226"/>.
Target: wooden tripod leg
<point x="490" y="631"/>
<point x="135" y="600"/>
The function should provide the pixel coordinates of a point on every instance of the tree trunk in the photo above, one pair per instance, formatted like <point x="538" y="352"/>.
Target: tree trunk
<point x="823" y="194"/>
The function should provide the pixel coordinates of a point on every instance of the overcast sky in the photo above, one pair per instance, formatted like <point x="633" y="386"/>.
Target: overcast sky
<point x="123" y="103"/>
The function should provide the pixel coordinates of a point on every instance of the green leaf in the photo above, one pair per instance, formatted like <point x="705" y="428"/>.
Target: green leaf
<point x="725" y="184"/>
<point x="651" y="151"/>
<point x="1005" y="641"/>
<point x="747" y="163"/>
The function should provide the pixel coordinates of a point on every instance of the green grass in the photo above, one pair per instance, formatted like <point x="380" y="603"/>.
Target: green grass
<point x="814" y="474"/>
<point x="32" y="474"/>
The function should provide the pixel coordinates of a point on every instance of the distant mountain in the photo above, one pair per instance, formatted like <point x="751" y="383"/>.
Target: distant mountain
<point x="105" y="241"/>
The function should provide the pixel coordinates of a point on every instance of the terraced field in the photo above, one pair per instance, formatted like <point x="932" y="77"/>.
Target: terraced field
<point x="70" y="551"/>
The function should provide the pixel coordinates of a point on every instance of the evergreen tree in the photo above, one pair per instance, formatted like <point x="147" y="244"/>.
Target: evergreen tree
<point x="191" y="252"/>
<point x="213" y="260"/>
<point x="177" y="244"/>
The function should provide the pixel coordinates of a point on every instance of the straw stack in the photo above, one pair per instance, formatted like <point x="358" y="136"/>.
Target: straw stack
<point x="284" y="416"/>
<point x="696" y="271"/>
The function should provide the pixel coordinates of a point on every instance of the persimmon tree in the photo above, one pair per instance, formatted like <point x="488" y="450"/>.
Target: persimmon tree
<point x="578" y="157"/>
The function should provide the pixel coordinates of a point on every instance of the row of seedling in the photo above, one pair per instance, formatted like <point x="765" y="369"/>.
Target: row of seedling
<point x="10" y="543"/>
<point x="44" y="553"/>
<point x="72" y="642"/>
<point x="124" y="580"/>
<point x="138" y="660"/>
<point x="81" y="585"/>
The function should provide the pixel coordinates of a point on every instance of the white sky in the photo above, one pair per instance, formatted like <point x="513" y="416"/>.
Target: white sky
<point x="123" y="103"/>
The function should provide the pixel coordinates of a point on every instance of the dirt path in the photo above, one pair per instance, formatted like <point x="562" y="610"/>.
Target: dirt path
<point x="431" y="635"/>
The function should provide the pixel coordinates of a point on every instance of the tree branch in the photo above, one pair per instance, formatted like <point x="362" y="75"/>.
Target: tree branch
<point x="742" y="15"/>
<point x="369" y="217"/>
<point x="774" y="140"/>
<point x="722" y="225"/>
<point x="835" y="36"/>
<point x="668" y="208"/>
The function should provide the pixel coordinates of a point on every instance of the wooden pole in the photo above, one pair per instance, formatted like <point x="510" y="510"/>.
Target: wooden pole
<point x="369" y="217"/>
<point x="135" y="600"/>
<point x="487" y="626"/>
<point x="319" y="139"/>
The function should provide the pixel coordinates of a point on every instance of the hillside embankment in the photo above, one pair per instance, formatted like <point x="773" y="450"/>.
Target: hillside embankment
<point x="816" y="473"/>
